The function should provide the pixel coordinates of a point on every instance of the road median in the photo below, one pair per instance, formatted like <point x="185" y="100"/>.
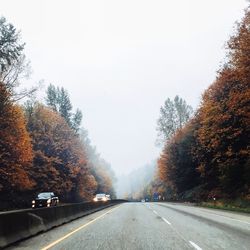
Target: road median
<point x="19" y="225"/>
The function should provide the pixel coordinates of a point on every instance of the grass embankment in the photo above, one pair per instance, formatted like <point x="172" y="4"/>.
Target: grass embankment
<point x="239" y="205"/>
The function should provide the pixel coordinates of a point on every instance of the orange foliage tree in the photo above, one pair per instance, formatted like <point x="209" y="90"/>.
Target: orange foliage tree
<point x="99" y="168"/>
<point x="104" y="178"/>
<point x="59" y="160"/>
<point x="177" y="166"/>
<point x="223" y="137"/>
<point x="216" y="142"/>
<point x="15" y="148"/>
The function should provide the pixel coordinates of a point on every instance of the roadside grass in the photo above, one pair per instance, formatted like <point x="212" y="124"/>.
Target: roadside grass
<point x="239" y="205"/>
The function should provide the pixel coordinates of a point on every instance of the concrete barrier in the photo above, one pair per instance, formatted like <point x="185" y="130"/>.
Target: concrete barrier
<point x="18" y="225"/>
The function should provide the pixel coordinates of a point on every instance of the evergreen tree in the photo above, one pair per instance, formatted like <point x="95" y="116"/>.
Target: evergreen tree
<point x="65" y="106"/>
<point x="173" y="116"/>
<point x="76" y="121"/>
<point x="52" y="97"/>
<point x="10" y="46"/>
<point x="58" y="100"/>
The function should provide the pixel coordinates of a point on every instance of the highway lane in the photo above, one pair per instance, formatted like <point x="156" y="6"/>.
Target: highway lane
<point x="208" y="228"/>
<point x="148" y="226"/>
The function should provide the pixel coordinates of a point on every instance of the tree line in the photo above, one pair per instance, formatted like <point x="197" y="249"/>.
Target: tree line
<point x="42" y="145"/>
<point x="206" y="154"/>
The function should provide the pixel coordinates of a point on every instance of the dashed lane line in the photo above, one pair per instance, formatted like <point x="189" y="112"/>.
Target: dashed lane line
<point x="155" y="212"/>
<point x="195" y="245"/>
<point x="166" y="221"/>
<point x="178" y="233"/>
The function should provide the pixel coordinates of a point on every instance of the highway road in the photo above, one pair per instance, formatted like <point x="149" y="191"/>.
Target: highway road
<point x="148" y="226"/>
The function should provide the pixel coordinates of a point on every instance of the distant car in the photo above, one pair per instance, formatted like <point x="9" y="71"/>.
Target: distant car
<point x="100" y="197"/>
<point x="46" y="199"/>
<point x="142" y="200"/>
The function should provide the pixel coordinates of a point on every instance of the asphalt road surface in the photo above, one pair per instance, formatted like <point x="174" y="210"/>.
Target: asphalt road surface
<point x="148" y="226"/>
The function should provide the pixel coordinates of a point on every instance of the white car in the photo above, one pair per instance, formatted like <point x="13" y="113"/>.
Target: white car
<point x="100" y="197"/>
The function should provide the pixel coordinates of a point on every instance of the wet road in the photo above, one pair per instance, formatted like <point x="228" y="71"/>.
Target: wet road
<point x="148" y="226"/>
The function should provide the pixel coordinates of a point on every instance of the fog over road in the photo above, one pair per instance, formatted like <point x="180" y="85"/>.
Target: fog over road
<point x="148" y="226"/>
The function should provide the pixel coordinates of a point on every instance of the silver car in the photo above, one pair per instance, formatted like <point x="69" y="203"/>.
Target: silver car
<point x="100" y="197"/>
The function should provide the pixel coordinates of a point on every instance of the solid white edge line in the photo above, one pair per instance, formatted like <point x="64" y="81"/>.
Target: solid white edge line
<point x="155" y="212"/>
<point x="220" y="215"/>
<point x="166" y="221"/>
<point x="194" y="245"/>
<point x="208" y="211"/>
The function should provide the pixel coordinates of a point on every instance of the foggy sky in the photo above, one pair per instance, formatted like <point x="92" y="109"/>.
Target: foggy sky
<point x="120" y="60"/>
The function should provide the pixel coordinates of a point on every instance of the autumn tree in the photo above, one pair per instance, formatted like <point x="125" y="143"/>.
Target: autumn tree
<point x="15" y="148"/>
<point x="99" y="168"/>
<point x="239" y="49"/>
<point x="224" y="133"/>
<point x="217" y="144"/>
<point x="104" y="177"/>
<point x="173" y="116"/>
<point x="176" y="165"/>
<point x="59" y="158"/>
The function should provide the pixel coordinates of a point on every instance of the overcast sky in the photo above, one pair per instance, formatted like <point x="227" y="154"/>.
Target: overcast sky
<point x="120" y="60"/>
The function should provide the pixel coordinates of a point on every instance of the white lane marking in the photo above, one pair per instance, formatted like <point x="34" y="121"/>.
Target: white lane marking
<point x="212" y="212"/>
<point x="194" y="245"/>
<point x="179" y="234"/>
<point x="226" y="217"/>
<point x="155" y="212"/>
<point x="166" y="221"/>
<point x="76" y="230"/>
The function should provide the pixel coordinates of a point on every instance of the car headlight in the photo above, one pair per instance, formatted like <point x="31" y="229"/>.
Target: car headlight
<point x="49" y="201"/>
<point x="104" y="199"/>
<point x="95" y="199"/>
<point x="33" y="202"/>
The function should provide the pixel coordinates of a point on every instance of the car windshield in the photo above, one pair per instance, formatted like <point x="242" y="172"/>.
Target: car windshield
<point x="44" y="195"/>
<point x="100" y="195"/>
